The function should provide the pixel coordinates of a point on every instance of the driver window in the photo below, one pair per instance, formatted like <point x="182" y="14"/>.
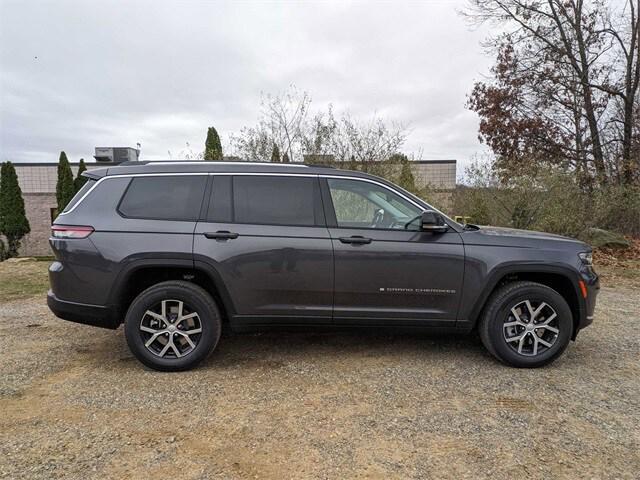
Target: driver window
<point x="360" y="204"/>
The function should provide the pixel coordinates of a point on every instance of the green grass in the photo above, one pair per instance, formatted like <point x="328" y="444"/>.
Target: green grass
<point x="23" y="279"/>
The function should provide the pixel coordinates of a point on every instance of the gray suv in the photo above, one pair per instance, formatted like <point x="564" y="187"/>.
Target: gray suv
<point x="180" y="250"/>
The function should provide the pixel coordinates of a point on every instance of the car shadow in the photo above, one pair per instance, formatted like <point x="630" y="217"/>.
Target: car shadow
<point x="281" y="347"/>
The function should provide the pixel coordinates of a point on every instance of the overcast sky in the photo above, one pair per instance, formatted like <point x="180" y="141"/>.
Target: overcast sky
<point x="80" y="74"/>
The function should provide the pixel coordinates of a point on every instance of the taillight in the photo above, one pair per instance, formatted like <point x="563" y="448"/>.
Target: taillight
<point x="64" y="231"/>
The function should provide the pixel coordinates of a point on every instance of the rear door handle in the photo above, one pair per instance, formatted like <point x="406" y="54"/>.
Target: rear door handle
<point x="221" y="235"/>
<point x="355" y="239"/>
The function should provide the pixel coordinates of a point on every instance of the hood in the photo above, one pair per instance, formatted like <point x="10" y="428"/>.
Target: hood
<point x="520" y="238"/>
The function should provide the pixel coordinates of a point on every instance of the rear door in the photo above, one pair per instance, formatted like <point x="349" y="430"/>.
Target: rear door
<point x="265" y="237"/>
<point x="388" y="271"/>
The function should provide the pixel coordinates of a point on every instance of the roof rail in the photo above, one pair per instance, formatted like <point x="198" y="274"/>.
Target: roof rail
<point x="132" y="162"/>
<point x="216" y="162"/>
<point x="319" y="165"/>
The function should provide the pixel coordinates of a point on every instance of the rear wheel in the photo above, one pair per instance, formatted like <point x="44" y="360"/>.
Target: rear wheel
<point x="172" y="326"/>
<point x="526" y="324"/>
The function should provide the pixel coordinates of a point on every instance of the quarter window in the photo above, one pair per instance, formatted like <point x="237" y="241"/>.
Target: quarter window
<point x="76" y="198"/>
<point x="360" y="204"/>
<point x="271" y="200"/>
<point x="164" y="197"/>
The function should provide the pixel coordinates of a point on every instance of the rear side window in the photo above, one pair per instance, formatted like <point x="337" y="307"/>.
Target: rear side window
<point x="271" y="200"/>
<point x="164" y="197"/>
<point x="83" y="190"/>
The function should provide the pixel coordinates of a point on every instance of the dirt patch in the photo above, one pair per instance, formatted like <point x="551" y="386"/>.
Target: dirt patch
<point x="75" y="404"/>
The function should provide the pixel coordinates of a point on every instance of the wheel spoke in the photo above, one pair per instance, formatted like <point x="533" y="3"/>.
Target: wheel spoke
<point x="166" y="347"/>
<point x="149" y="330"/>
<point x="515" y="339"/>
<point x="537" y="311"/>
<point x="152" y="339"/>
<point x="194" y="331"/>
<point x="186" y="317"/>
<point x="180" y="306"/>
<point x="547" y="327"/>
<point x="544" y="342"/>
<point x="188" y="339"/>
<point x="513" y="324"/>
<point x="155" y="315"/>
<point x="530" y="308"/>
<point x="548" y="320"/>
<point x="535" y="344"/>
<point x="516" y="315"/>
<point x="175" y="349"/>
<point x="521" y="343"/>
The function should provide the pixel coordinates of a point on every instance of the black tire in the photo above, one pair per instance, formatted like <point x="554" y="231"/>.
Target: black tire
<point x="199" y="301"/>
<point x="498" y="311"/>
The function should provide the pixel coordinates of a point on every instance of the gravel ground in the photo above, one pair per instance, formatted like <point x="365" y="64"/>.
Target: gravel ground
<point x="75" y="404"/>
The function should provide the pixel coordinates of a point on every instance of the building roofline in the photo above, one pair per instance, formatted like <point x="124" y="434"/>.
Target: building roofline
<point x="132" y="168"/>
<point x="199" y="162"/>
<point x="55" y="164"/>
<point x="433" y="161"/>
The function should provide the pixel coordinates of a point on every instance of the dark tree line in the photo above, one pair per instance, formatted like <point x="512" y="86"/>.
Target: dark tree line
<point x="13" y="220"/>
<point x="67" y="186"/>
<point x="212" y="146"/>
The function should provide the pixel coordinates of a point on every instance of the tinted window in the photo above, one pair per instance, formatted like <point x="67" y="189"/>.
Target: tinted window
<point x="76" y="198"/>
<point x="164" y="197"/>
<point x="274" y="200"/>
<point x="220" y="200"/>
<point x="359" y="204"/>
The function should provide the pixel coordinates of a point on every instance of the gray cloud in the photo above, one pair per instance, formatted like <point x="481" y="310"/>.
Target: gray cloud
<point x="76" y="74"/>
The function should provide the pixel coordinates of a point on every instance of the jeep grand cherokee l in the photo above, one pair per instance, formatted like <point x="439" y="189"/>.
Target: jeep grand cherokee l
<point x="179" y="250"/>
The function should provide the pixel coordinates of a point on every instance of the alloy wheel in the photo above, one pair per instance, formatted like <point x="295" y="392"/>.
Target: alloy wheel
<point x="170" y="329"/>
<point x="531" y="327"/>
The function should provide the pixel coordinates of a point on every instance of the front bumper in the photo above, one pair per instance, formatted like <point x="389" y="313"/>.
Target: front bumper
<point x="588" y="307"/>
<point x="96" y="315"/>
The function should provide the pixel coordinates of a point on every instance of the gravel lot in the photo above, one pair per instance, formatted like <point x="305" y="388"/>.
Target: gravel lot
<point x="75" y="404"/>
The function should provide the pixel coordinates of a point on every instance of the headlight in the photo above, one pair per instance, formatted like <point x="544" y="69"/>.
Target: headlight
<point x="586" y="258"/>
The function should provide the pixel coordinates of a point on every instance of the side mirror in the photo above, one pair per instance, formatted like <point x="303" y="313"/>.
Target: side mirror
<point x="433" y="222"/>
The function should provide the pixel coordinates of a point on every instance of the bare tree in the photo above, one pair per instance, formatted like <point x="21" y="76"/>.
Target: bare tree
<point x="625" y="88"/>
<point x="252" y="143"/>
<point x="285" y="116"/>
<point x="286" y="122"/>
<point x="367" y="141"/>
<point x="574" y="66"/>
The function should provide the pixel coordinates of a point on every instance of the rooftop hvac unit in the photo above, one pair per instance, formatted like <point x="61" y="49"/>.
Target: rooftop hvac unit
<point x="115" y="154"/>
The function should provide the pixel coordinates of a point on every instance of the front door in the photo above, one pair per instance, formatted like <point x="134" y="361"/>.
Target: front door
<point x="265" y="237"/>
<point x="388" y="271"/>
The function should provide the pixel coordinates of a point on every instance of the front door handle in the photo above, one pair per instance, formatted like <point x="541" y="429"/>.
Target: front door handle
<point x="355" y="239"/>
<point x="221" y="235"/>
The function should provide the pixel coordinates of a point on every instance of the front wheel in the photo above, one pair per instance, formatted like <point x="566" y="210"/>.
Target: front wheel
<point x="172" y="326"/>
<point x="526" y="324"/>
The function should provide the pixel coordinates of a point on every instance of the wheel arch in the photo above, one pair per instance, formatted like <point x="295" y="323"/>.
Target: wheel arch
<point x="561" y="279"/>
<point x="142" y="274"/>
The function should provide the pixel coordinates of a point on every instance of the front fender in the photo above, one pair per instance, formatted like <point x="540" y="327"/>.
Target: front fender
<point x="479" y="286"/>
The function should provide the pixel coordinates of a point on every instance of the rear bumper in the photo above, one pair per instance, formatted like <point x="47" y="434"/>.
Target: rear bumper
<point x="96" y="315"/>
